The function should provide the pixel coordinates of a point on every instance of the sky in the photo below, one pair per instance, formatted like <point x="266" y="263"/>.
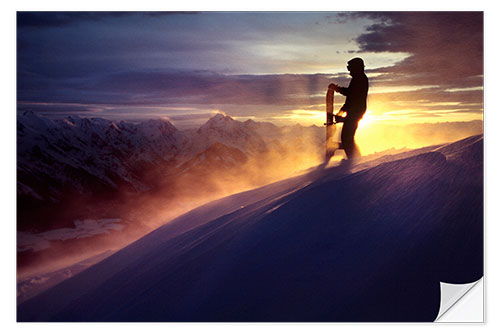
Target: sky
<point x="266" y="66"/>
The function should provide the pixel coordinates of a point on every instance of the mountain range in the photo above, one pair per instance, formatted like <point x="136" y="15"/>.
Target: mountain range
<point x="101" y="159"/>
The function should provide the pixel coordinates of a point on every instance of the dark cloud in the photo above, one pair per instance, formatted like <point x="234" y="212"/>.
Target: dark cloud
<point x="162" y="88"/>
<point x="59" y="19"/>
<point x="191" y="116"/>
<point x="161" y="14"/>
<point x="63" y="109"/>
<point x="444" y="47"/>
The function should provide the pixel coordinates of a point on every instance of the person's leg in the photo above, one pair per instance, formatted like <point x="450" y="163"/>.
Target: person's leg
<point x="348" y="131"/>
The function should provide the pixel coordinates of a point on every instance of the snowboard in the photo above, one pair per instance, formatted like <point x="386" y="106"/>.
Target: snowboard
<point x="331" y="145"/>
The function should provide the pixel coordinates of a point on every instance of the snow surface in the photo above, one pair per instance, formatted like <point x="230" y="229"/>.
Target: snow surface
<point x="32" y="285"/>
<point x="364" y="242"/>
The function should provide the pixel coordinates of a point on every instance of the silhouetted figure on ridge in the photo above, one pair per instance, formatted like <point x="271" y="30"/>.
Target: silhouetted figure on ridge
<point x="354" y="106"/>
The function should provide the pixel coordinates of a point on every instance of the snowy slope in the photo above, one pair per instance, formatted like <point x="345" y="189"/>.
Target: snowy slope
<point x="364" y="243"/>
<point x="30" y="286"/>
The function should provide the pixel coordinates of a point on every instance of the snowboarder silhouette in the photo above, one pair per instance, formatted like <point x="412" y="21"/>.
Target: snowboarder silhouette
<point x="354" y="106"/>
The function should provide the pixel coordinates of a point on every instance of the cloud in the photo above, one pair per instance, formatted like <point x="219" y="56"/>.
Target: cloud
<point x="83" y="43"/>
<point x="61" y="19"/>
<point x="175" y="93"/>
<point x="430" y="100"/>
<point x="121" y="62"/>
<point x="173" y="87"/>
<point x="446" y="48"/>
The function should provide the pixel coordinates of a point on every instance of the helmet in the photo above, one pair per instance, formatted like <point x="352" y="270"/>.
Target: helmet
<point x="356" y="64"/>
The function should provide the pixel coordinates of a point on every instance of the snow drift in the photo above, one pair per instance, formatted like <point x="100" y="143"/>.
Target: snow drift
<point x="370" y="242"/>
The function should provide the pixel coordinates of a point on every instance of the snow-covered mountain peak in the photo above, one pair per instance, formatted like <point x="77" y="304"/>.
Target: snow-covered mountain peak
<point x="157" y="128"/>
<point x="221" y="117"/>
<point x="31" y="120"/>
<point x="229" y="132"/>
<point x="220" y="121"/>
<point x="77" y="121"/>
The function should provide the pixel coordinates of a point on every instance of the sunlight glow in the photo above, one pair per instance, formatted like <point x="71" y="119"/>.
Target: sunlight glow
<point x="464" y="89"/>
<point x="391" y="89"/>
<point x="368" y="119"/>
<point x="304" y="117"/>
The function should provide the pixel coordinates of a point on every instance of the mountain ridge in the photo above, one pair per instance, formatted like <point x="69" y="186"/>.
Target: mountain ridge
<point x="99" y="159"/>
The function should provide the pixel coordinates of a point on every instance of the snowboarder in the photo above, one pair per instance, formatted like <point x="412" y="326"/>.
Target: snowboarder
<point x="354" y="106"/>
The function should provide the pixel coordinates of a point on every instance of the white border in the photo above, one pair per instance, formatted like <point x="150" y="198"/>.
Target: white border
<point x="492" y="110"/>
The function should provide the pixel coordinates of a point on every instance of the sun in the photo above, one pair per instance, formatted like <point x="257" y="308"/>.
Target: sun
<point x="368" y="119"/>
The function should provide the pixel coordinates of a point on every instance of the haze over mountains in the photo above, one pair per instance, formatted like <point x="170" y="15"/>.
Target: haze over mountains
<point x="81" y="178"/>
<point x="95" y="155"/>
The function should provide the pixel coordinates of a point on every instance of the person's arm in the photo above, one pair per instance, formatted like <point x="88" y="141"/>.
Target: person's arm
<point x="344" y="91"/>
<point x="355" y="89"/>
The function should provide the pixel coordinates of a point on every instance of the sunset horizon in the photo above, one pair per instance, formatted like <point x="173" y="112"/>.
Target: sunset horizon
<point x="265" y="66"/>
